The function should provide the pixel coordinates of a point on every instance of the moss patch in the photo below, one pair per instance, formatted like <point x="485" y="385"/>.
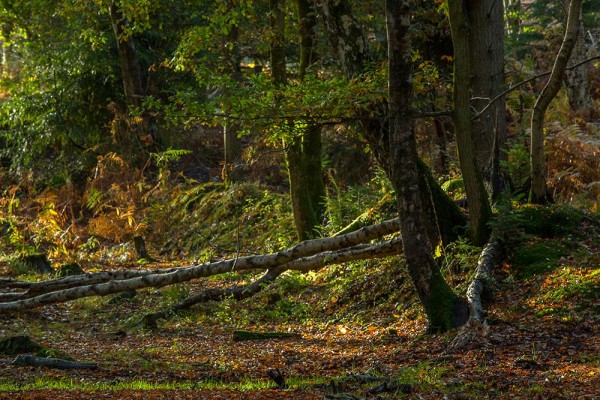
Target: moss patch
<point x="550" y="222"/>
<point x="537" y="258"/>
<point x="22" y="344"/>
<point x="568" y="290"/>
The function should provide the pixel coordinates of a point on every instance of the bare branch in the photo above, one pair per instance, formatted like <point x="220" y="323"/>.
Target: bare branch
<point x="526" y="81"/>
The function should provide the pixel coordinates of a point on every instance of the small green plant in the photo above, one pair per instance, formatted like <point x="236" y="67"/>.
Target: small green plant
<point x="18" y="267"/>
<point x="425" y="374"/>
<point x="455" y="188"/>
<point x="175" y="293"/>
<point x="459" y="256"/>
<point x="549" y="222"/>
<point x="517" y="165"/>
<point x="567" y="290"/>
<point x="164" y="158"/>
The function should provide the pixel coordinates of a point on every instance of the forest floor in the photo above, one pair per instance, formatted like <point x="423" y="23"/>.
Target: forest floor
<point x="362" y="335"/>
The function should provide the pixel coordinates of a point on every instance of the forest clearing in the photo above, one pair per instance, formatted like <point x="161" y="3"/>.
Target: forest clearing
<point x="324" y="199"/>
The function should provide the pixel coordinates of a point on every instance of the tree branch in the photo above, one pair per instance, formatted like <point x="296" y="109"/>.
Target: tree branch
<point x="526" y="81"/>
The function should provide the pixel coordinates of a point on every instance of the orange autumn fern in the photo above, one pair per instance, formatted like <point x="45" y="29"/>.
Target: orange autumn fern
<point x="574" y="163"/>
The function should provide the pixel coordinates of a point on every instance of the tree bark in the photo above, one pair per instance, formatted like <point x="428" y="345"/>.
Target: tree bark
<point x="277" y="46"/>
<point x="479" y="208"/>
<point x="486" y="43"/>
<point x="131" y="74"/>
<point x="346" y="36"/>
<point x="578" y="80"/>
<point x="539" y="193"/>
<point x="130" y="66"/>
<point x="307" y="192"/>
<point x="231" y="143"/>
<point x="303" y="264"/>
<point x="303" y="152"/>
<point x="444" y="309"/>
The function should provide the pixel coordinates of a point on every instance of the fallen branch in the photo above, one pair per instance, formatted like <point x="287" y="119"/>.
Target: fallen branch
<point x="268" y="261"/>
<point x="150" y="321"/>
<point x="304" y="264"/>
<point x="52" y="362"/>
<point x="239" y="336"/>
<point x="524" y="82"/>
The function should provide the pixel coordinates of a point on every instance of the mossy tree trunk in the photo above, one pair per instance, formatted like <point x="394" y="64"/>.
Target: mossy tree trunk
<point x="539" y="193"/>
<point x="303" y="151"/>
<point x="349" y="43"/>
<point x="479" y="207"/>
<point x="306" y="185"/>
<point x="444" y="309"/>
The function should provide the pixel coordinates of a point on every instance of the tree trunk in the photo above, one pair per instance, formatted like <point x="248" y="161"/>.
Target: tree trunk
<point x="231" y="143"/>
<point x="303" y="152"/>
<point x="486" y="41"/>
<point x="578" y="79"/>
<point x="538" y="193"/>
<point x="277" y="46"/>
<point x="479" y="207"/>
<point x="305" y="215"/>
<point x="444" y="309"/>
<point x="232" y="152"/>
<point x="346" y="36"/>
<point x="131" y="74"/>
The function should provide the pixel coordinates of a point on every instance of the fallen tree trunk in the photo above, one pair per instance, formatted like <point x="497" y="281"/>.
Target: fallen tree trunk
<point x="304" y="264"/>
<point x="150" y="321"/>
<point x="145" y="279"/>
<point x="239" y="336"/>
<point x="482" y="283"/>
<point x="52" y="362"/>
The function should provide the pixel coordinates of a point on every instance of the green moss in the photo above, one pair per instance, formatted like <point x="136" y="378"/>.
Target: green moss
<point x="549" y="222"/>
<point x="21" y="344"/>
<point x="223" y="220"/>
<point x="455" y="188"/>
<point x="571" y="289"/>
<point x="536" y="258"/>
<point x="444" y="309"/>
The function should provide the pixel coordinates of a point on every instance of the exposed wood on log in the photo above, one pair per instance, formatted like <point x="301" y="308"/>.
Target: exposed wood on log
<point x="277" y="376"/>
